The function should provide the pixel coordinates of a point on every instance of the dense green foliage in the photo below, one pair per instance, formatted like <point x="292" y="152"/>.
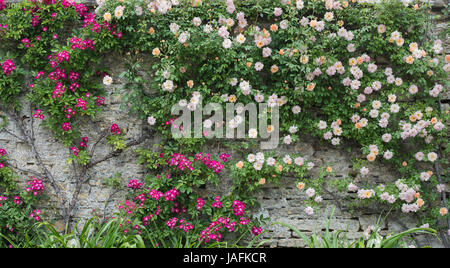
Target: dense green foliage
<point x="358" y="72"/>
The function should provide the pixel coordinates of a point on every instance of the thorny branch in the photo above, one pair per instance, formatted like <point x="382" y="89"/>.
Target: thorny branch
<point x="37" y="174"/>
<point x="117" y="152"/>
<point x="12" y="134"/>
<point x="109" y="200"/>
<point x="28" y="138"/>
<point x="102" y="136"/>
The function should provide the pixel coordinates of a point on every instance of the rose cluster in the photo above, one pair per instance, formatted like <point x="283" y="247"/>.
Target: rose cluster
<point x="134" y="184"/>
<point x="200" y="203"/>
<point x="238" y="208"/>
<point x="35" y="186"/>
<point x="180" y="161"/>
<point x="35" y="215"/>
<point x="2" y="5"/>
<point x="212" y="232"/>
<point x="207" y="161"/>
<point x="8" y="66"/>
<point x="128" y="206"/>
<point x="115" y="129"/>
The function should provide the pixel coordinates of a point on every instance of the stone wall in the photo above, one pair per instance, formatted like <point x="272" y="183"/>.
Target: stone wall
<point x="281" y="203"/>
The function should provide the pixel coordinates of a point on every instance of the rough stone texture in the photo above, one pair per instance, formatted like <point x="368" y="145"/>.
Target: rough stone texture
<point x="283" y="202"/>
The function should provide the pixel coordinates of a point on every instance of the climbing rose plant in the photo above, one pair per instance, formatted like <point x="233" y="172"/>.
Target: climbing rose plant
<point x="343" y="71"/>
